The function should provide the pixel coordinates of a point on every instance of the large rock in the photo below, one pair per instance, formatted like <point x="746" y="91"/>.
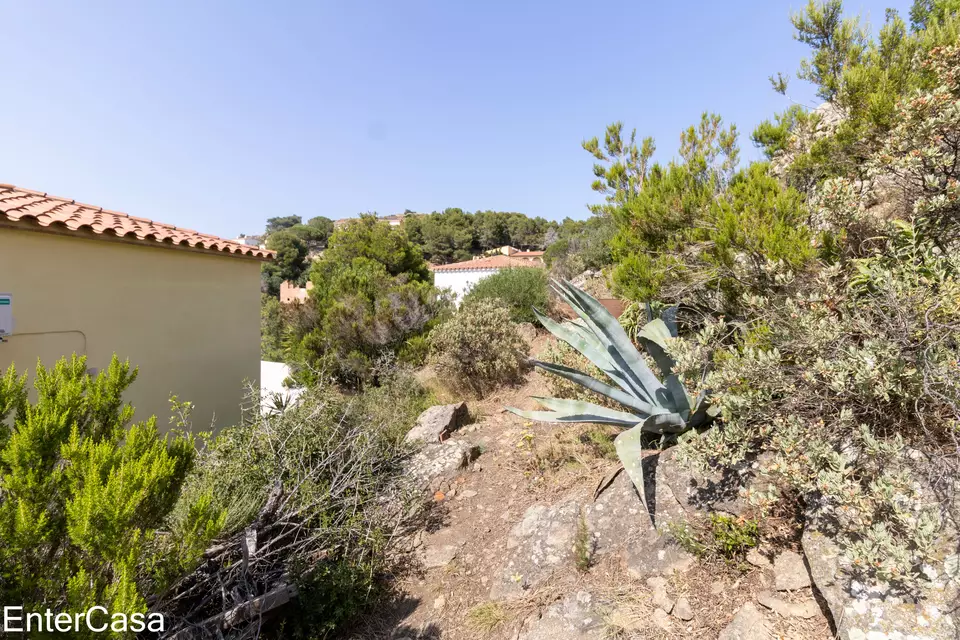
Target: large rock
<point x="573" y="618"/>
<point x="712" y="491"/>
<point x="863" y="617"/>
<point x="441" y="460"/>
<point x="437" y="423"/>
<point x="748" y="624"/>
<point x="616" y="516"/>
<point x="540" y="544"/>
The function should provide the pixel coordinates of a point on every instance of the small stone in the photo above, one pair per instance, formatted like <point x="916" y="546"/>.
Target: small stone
<point x="790" y="572"/>
<point x="748" y="624"/>
<point x="439" y="603"/>
<point x="439" y="556"/>
<point x="469" y="493"/>
<point x="452" y="493"/>
<point x="662" y="619"/>
<point x="757" y="559"/>
<point x="439" y="496"/>
<point x="682" y="609"/>
<point x="716" y="588"/>
<point x="805" y="610"/>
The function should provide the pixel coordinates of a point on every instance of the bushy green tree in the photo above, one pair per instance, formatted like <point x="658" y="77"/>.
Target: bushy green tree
<point x="83" y="491"/>
<point x="372" y="293"/>
<point x="289" y="264"/>
<point x="519" y="290"/>
<point x="862" y="77"/>
<point x="280" y="223"/>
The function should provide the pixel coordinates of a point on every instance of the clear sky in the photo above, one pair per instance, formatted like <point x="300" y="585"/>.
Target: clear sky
<point x="218" y="115"/>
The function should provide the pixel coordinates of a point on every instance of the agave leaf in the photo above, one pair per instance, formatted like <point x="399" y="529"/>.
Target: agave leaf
<point x="586" y="344"/>
<point x="623" y="354"/>
<point x="577" y="411"/>
<point x="665" y="423"/>
<point x="629" y="446"/>
<point x="644" y="408"/>
<point x="654" y="336"/>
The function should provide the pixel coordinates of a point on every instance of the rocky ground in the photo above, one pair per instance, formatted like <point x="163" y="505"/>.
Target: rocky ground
<point x="519" y="548"/>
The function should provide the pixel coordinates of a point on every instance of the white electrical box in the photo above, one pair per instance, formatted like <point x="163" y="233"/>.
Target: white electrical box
<point x="6" y="314"/>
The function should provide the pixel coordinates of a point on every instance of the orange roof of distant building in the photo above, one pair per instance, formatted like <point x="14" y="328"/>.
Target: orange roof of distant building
<point x="18" y="204"/>
<point x="491" y="262"/>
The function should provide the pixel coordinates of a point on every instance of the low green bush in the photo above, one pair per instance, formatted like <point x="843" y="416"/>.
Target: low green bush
<point x="520" y="290"/>
<point x="84" y="490"/>
<point x="478" y="349"/>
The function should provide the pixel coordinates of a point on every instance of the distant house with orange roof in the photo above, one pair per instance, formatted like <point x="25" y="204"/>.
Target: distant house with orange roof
<point x="459" y="277"/>
<point x="183" y="306"/>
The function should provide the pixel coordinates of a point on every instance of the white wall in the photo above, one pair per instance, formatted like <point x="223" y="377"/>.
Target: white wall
<point x="460" y="281"/>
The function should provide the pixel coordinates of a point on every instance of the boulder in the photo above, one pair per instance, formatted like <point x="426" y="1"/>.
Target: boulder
<point x="574" y="618"/>
<point x="438" y="422"/>
<point x="441" y="460"/>
<point x="540" y="544"/>
<point x="683" y="610"/>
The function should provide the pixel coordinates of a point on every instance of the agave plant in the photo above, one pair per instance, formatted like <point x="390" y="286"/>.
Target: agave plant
<point x="656" y="407"/>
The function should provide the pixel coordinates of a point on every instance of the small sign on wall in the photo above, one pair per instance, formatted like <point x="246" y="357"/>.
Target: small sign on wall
<point x="6" y="314"/>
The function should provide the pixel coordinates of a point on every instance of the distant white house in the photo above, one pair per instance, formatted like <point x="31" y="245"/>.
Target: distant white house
<point x="460" y="277"/>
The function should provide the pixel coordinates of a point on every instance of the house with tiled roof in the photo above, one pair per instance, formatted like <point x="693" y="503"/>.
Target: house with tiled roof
<point x="459" y="277"/>
<point x="181" y="305"/>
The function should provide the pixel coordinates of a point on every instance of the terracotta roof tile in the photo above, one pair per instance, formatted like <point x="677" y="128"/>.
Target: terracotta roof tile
<point x="17" y="204"/>
<point x="492" y="262"/>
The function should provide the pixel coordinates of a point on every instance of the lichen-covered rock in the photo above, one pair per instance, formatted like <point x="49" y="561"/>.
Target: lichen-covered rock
<point x="656" y="555"/>
<point x="616" y="516"/>
<point x="440" y="460"/>
<point x="748" y="624"/>
<point x="790" y="572"/>
<point x="860" y="616"/>
<point x="574" y="618"/>
<point x="806" y="609"/>
<point x="438" y="422"/>
<point x="538" y="545"/>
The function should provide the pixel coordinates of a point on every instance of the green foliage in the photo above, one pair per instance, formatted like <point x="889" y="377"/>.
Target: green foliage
<point x="520" y="290"/>
<point x="478" y="349"/>
<point x="290" y="262"/>
<point x="454" y="235"/>
<point x="864" y="78"/>
<point x="372" y="294"/>
<point x="654" y="224"/>
<point x="721" y="536"/>
<point x="579" y="245"/>
<point x="774" y="137"/>
<point x="622" y="166"/>
<point x="280" y="223"/>
<point x="83" y="491"/>
<point x="271" y="329"/>
<point x="658" y="408"/>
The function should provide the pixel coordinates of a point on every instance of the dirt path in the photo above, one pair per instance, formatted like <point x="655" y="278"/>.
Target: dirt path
<point x="523" y="464"/>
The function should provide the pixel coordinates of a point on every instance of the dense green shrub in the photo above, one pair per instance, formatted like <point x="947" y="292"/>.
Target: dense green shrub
<point x="271" y="328"/>
<point x="372" y="293"/>
<point x="519" y="290"/>
<point x="336" y="461"/>
<point x="84" y="490"/>
<point x="478" y="348"/>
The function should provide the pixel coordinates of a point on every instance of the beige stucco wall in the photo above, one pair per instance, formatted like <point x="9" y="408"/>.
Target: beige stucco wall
<point x="190" y="321"/>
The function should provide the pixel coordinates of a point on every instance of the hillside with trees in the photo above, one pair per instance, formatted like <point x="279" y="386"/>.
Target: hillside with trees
<point x="764" y="444"/>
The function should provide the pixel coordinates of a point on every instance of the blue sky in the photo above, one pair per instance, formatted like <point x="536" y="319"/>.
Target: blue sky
<point x="218" y="115"/>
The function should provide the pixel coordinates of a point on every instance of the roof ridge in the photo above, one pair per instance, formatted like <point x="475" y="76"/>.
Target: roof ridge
<point x="90" y="216"/>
